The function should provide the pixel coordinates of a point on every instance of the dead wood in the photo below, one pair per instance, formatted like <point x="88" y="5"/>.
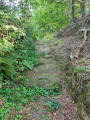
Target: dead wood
<point x="81" y="46"/>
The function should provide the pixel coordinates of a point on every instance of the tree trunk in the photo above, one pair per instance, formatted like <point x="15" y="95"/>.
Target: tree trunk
<point x="1" y="4"/>
<point x="73" y="10"/>
<point x="83" y="7"/>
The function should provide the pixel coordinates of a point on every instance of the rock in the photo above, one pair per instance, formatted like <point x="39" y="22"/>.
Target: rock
<point x="47" y="56"/>
<point x="46" y="75"/>
<point x="45" y="61"/>
<point x="43" y="49"/>
<point x="46" y="72"/>
<point x="46" y="68"/>
<point x="46" y="80"/>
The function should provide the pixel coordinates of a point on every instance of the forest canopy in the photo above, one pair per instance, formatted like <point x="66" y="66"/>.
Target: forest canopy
<point x="48" y="15"/>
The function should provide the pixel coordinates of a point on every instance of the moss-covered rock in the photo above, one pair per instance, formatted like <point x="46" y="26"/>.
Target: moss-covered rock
<point x="46" y="74"/>
<point x="46" y="80"/>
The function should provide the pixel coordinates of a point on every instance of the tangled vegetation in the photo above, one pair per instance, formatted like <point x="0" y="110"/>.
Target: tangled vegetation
<point x="17" y="55"/>
<point x="17" y="52"/>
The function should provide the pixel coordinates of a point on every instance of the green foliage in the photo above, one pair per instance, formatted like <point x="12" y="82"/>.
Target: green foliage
<point x="2" y="16"/>
<point x="27" y="56"/>
<point x="17" y="55"/>
<point x="59" y="41"/>
<point x="48" y="37"/>
<point x="13" y="54"/>
<point x="18" y="97"/>
<point x="17" y="117"/>
<point x="17" y="51"/>
<point x="53" y="105"/>
<point x="17" y="48"/>
<point x="79" y="70"/>
<point x="50" y="17"/>
<point x="45" y="117"/>
<point x="6" y="63"/>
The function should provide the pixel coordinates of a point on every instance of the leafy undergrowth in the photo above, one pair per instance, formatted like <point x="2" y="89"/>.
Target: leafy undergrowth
<point x="53" y="105"/>
<point x="13" y="99"/>
<point x="17" y="56"/>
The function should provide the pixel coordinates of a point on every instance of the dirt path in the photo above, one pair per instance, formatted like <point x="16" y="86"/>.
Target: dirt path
<point x="47" y="74"/>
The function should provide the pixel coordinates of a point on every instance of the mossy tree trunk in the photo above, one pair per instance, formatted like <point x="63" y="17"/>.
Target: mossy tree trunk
<point x="83" y="7"/>
<point x="73" y="10"/>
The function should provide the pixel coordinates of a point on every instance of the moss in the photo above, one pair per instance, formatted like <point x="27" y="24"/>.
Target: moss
<point x="81" y="36"/>
<point x="57" y="88"/>
<point x="60" y="61"/>
<point x="79" y="106"/>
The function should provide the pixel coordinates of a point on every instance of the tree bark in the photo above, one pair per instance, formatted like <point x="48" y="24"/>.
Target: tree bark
<point x="83" y="7"/>
<point x="73" y="57"/>
<point x="1" y="4"/>
<point x="73" y="10"/>
<point x="82" y="45"/>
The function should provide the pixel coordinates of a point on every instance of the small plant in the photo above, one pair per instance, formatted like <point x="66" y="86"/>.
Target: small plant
<point x="68" y="101"/>
<point x="30" y="115"/>
<point x="16" y="98"/>
<point x="18" y="117"/>
<point x="46" y="117"/>
<point x="53" y="105"/>
<point x="79" y="69"/>
<point x="59" y="41"/>
<point x="48" y="37"/>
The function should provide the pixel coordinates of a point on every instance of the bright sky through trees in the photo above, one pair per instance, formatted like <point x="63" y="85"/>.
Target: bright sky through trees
<point x="12" y="4"/>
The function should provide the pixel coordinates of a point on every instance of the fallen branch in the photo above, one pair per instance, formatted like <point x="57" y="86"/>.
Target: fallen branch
<point x="82" y="45"/>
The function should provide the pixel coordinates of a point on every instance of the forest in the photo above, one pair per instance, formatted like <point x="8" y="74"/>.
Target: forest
<point x="44" y="59"/>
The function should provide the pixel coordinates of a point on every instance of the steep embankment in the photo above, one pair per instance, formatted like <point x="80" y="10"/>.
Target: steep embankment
<point x="76" y="72"/>
<point x="75" y="75"/>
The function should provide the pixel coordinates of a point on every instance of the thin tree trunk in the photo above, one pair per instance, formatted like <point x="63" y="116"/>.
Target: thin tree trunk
<point x="73" y="10"/>
<point x="83" y="7"/>
<point x="1" y="4"/>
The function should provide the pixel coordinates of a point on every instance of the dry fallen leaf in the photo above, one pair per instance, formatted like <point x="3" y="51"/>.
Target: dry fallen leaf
<point x="55" y="113"/>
